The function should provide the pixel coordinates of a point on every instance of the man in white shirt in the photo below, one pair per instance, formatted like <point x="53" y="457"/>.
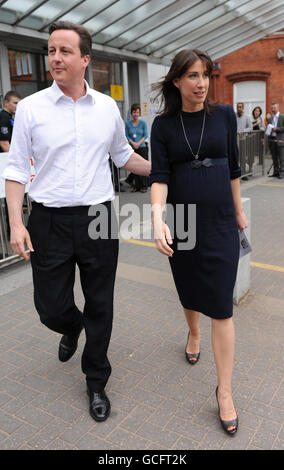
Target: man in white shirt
<point x="70" y="130"/>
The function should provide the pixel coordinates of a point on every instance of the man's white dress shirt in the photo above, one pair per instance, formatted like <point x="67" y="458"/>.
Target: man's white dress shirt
<point x="70" y="143"/>
<point x="275" y="122"/>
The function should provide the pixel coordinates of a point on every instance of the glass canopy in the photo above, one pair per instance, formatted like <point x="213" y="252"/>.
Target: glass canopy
<point x="154" y="29"/>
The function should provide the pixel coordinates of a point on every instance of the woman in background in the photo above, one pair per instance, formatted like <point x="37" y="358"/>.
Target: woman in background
<point x="257" y="121"/>
<point x="267" y="116"/>
<point x="136" y="133"/>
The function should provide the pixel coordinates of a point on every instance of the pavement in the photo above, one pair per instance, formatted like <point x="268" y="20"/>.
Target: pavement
<point x="159" y="401"/>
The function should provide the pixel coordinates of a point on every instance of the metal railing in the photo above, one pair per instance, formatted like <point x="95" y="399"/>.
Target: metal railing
<point x="253" y="148"/>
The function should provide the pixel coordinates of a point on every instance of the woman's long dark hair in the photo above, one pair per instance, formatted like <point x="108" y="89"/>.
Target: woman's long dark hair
<point x="171" y="98"/>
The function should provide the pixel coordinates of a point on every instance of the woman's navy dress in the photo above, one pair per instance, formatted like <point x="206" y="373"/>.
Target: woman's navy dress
<point x="204" y="275"/>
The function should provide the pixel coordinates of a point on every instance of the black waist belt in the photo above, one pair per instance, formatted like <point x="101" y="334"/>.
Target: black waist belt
<point x="67" y="209"/>
<point x="207" y="162"/>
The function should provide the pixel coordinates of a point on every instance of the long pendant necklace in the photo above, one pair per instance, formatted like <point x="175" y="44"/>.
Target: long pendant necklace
<point x="135" y="131"/>
<point x="196" y="156"/>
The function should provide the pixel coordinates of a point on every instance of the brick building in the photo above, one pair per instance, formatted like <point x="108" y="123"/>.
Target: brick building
<point x="253" y="74"/>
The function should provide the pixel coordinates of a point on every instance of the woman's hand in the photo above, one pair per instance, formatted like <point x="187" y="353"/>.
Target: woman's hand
<point x="163" y="238"/>
<point x="242" y="220"/>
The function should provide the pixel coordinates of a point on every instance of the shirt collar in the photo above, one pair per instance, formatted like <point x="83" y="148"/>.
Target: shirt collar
<point x="57" y="93"/>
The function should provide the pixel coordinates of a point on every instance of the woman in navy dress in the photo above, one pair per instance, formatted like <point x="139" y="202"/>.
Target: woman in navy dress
<point x="195" y="162"/>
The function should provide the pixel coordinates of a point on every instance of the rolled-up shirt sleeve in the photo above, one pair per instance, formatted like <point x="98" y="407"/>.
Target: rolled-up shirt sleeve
<point x="120" y="150"/>
<point x="160" y="172"/>
<point x="233" y="151"/>
<point x="18" y="166"/>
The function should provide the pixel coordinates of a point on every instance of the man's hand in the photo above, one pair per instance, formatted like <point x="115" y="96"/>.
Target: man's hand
<point x="19" y="237"/>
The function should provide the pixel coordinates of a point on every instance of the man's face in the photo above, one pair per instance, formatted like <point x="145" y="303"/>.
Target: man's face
<point x="66" y="64"/>
<point x="274" y="108"/>
<point x="11" y="104"/>
<point x="240" y="109"/>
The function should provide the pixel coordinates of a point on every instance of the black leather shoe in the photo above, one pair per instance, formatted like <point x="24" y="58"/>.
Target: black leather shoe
<point x="99" y="405"/>
<point x="68" y="346"/>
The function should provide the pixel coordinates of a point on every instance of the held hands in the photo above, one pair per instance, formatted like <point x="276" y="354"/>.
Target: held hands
<point x="242" y="220"/>
<point x="135" y="145"/>
<point x="19" y="237"/>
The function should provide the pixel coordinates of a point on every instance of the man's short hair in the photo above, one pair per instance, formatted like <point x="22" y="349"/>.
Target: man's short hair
<point x="85" y="42"/>
<point x="241" y="104"/>
<point x="11" y="94"/>
<point x="274" y="102"/>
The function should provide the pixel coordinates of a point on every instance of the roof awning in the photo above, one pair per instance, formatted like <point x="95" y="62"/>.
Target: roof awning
<point x="151" y="30"/>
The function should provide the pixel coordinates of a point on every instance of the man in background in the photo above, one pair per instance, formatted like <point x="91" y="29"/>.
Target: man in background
<point x="244" y="125"/>
<point x="243" y="120"/>
<point x="273" y="139"/>
<point x="11" y="100"/>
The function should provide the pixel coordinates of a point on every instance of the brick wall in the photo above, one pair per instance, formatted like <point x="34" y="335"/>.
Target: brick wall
<point x="257" y="61"/>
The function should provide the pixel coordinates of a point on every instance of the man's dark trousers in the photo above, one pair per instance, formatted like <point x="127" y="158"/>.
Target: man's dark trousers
<point x="274" y="149"/>
<point x="61" y="240"/>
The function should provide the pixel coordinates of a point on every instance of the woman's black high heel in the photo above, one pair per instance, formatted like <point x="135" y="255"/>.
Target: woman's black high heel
<point x="191" y="358"/>
<point x="233" y="423"/>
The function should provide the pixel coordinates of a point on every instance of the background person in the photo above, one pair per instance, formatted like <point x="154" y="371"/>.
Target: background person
<point x="243" y="120"/>
<point x="267" y="116"/>
<point x="280" y="142"/>
<point x="70" y="130"/>
<point x="7" y="114"/>
<point x="272" y="139"/>
<point x="257" y="120"/>
<point x="136" y="133"/>
<point x="11" y="100"/>
<point x="243" y="125"/>
<point x="187" y="132"/>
